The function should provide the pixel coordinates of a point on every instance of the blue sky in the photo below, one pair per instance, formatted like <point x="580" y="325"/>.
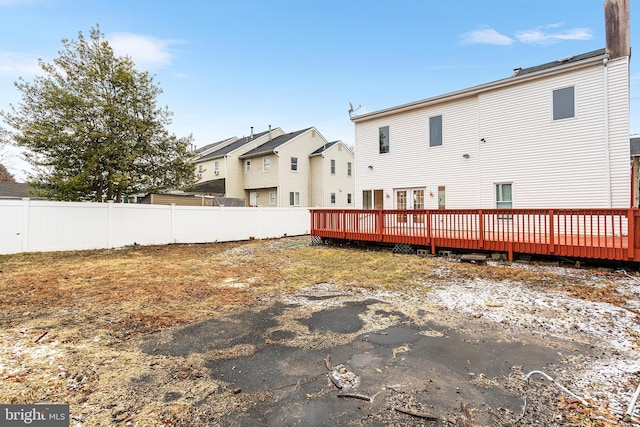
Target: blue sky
<point x="227" y="65"/>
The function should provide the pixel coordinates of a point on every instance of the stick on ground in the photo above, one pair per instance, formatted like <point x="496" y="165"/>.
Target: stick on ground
<point x="416" y="413"/>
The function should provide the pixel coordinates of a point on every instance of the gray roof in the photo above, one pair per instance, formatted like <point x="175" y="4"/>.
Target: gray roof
<point x="323" y="148"/>
<point x="635" y="146"/>
<point x="233" y="146"/>
<point x="15" y="190"/>
<point x="518" y="74"/>
<point x="270" y="146"/>
<point x="562" y="61"/>
<point x="213" y="144"/>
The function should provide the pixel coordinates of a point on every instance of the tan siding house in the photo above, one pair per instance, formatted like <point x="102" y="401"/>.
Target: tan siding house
<point x="283" y="171"/>
<point x="332" y="176"/>
<point x="221" y="170"/>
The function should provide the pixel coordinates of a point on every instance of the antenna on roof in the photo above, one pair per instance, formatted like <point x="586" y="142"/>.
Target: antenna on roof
<point x="352" y="110"/>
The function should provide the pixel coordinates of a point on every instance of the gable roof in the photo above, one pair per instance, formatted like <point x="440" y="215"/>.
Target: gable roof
<point x="323" y="148"/>
<point x="231" y="147"/>
<point x="561" y="61"/>
<point x="15" y="190"/>
<point x="520" y="76"/>
<point x="270" y="146"/>
<point x="213" y="144"/>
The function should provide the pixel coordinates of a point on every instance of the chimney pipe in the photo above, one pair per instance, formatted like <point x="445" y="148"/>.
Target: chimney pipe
<point x="616" y="21"/>
<point x="251" y="138"/>
<point x="269" y="132"/>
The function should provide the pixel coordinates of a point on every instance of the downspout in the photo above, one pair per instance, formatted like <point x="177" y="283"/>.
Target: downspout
<point x="225" y="176"/>
<point x="322" y="194"/>
<point x="607" y="160"/>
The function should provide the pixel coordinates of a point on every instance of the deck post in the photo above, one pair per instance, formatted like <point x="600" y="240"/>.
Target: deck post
<point x="633" y="240"/>
<point x="344" y="224"/>
<point x="480" y="229"/>
<point x="380" y="225"/>
<point x="552" y="242"/>
<point x="428" y="227"/>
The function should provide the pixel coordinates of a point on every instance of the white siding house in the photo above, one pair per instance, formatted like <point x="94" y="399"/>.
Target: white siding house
<point x="550" y="136"/>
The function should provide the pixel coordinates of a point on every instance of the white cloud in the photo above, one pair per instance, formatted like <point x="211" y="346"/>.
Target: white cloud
<point x="539" y="36"/>
<point x="547" y="34"/>
<point x="13" y="64"/>
<point x="485" y="36"/>
<point x="146" y="51"/>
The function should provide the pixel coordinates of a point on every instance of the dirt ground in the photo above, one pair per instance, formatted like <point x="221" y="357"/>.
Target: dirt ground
<point x="281" y="332"/>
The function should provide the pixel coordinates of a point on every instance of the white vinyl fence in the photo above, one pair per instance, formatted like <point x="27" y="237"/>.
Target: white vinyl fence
<point x="40" y="226"/>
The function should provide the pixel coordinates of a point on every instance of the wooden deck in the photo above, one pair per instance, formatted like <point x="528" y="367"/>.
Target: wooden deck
<point x="607" y="234"/>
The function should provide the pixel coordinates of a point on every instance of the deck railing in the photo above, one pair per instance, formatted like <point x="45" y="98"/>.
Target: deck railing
<point x="581" y="233"/>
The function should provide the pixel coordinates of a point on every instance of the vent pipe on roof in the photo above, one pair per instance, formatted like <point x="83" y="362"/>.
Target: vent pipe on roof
<point x="251" y="138"/>
<point x="616" y="21"/>
<point x="269" y="132"/>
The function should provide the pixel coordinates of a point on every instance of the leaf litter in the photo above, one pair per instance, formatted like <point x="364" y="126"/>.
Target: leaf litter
<point x="70" y="321"/>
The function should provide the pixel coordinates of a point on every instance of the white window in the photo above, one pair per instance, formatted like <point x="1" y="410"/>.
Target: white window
<point x="349" y="198"/>
<point x="504" y="196"/>
<point x="348" y="168"/>
<point x="272" y="197"/>
<point x="247" y="165"/>
<point x="294" y="198"/>
<point x="200" y="169"/>
<point x="216" y="166"/>
<point x="333" y="198"/>
<point x="266" y="164"/>
<point x="333" y="167"/>
<point x="294" y="163"/>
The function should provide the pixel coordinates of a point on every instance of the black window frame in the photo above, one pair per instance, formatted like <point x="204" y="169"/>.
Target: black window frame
<point x="562" y="108"/>
<point x="384" y="147"/>
<point x="436" y="131"/>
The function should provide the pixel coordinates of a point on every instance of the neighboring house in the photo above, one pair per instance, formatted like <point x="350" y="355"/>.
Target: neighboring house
<point x="551" y="136"/>
<point x="332" y="176"/>
<point x="188" y="200"/>
<point x="634" y="146"/>
<point x="220" y="172"/>
<point x="295" y="169"/>
<point x="16" y="190"/>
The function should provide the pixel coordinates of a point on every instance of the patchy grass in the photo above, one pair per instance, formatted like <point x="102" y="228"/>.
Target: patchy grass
<point x="66" y="317"/>
<point x="142" y="288"/>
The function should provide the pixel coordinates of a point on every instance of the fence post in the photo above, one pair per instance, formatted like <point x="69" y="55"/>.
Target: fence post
<point x="109" y="224"/>
<point x="173" y="211"/>
<point x="25" y="224"/>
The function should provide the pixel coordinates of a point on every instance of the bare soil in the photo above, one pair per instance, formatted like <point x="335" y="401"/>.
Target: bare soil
<point x="280" y="332"/>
